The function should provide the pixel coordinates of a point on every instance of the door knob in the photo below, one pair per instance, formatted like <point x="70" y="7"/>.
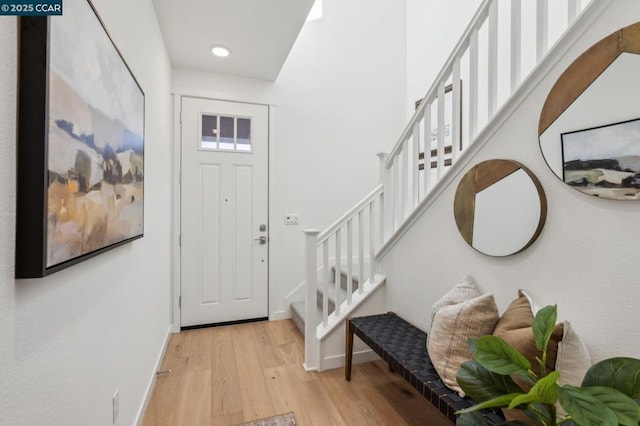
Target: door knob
<point x="262" y="240"/>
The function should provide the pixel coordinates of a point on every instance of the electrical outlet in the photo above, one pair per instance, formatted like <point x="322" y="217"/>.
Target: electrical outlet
<point x="116" y="405"/>
<point x="291" y="219"/>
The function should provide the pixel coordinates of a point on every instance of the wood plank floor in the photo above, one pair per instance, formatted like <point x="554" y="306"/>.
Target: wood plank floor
<point x="232" y="374"/>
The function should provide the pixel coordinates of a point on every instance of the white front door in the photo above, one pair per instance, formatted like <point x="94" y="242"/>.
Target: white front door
<point x="224" y="211"/>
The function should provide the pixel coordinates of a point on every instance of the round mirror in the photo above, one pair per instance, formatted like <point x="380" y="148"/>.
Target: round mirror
<point x="500" y="207"/>
<point x="589" y="128"/>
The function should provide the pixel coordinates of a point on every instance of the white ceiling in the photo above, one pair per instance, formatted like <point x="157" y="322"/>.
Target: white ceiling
<point x="259" y="33"/>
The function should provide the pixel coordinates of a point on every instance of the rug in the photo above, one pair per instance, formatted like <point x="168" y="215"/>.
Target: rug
<point x="286" y="419"/>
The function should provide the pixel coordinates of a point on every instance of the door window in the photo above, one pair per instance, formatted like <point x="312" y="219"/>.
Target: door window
<point x="225" y="133"/>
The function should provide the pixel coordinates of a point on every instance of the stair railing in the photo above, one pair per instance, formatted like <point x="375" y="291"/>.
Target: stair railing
<point x="453" y="104"/>
<point x="427" y="149"/>
<point x="348" y="245"/>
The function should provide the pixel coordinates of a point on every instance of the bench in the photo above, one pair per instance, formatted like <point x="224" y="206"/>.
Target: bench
<point x="403" y="347"/>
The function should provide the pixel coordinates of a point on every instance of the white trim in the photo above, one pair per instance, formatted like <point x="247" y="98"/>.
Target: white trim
<point x="337" y="361"/>
<point x="152" y="381"/>
<point x="570" y="37"/>
<point x="223" y="96"/>
<point x="280" y="315"/>
<point x="176" y="197"/>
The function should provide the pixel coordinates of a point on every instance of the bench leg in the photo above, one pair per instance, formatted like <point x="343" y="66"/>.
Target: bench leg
<point x="348" y="350"/>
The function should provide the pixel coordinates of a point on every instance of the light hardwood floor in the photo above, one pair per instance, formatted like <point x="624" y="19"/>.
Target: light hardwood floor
<point x="228" y="375"/>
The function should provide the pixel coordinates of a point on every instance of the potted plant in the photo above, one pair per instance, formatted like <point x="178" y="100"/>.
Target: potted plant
<point x="609" y="394"/>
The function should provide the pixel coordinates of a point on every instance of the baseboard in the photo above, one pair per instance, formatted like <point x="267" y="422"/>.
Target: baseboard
<point x="280" y="315"/>
<point x="337" y="361"/>
<point x="152" y="381"/>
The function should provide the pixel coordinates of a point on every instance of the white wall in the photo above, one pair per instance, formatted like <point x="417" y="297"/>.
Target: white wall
<point x="69" y="340"/>
<point x="339" y="100"/>
<point x="583" y="260"/>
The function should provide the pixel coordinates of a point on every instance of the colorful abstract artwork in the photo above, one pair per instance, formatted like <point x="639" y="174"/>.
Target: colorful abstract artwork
<point x="93" y="145"/>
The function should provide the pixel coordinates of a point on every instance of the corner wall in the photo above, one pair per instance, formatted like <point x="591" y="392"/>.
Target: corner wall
<point x="338" y="101"/>
<point x="584" y="260"/>
<point x="71" y="339"/>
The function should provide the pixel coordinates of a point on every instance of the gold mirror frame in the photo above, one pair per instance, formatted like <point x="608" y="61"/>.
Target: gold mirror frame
<point x="585" y="70"/>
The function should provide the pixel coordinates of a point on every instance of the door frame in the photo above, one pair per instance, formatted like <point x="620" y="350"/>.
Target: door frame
<point x="176" y="199"/>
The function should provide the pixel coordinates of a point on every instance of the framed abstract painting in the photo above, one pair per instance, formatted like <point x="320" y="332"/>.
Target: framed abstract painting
<point x="80" y="179"/>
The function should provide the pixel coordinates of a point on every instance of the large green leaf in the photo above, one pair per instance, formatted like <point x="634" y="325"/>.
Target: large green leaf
<point x="472" y="419"/>
<point x="500" y="401"/>
<point x="477" y="419"/>
<point x="585" y="409"/>
<point x="481" y="384"/>
<point x="472" y="343"/>
<point x="620" y="373"/>
<point x="496" y="355"/>
<point x="543" y="325"/>
<point x="626" y="409"/>
<point x="544" y="391"/>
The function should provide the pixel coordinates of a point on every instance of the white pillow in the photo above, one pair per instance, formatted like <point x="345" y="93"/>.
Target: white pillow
<point x="460" y="314"/>
<point x="573" y="358"/>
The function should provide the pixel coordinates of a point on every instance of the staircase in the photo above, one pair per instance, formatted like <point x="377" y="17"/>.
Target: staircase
<point x="336" y="295"/>
<point x="409" y="179"/>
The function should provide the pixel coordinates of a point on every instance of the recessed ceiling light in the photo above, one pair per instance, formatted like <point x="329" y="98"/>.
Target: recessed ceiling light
<point x="220" y="51"/>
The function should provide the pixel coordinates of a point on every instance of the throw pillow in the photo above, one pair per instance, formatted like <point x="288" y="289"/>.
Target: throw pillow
<point x="451" y="326"/>
<point x="573" y="358"/>
<point x="465" y="290"/>
<point x="515" y="328"/>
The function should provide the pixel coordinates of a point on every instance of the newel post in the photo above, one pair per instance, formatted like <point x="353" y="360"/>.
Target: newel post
<point x="311" y="353"/>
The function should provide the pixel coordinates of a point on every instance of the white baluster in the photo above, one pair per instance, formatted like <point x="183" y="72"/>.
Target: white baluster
<point x="349" y="261"/>
<point x="415" y="171"/>
<point x="473" y="84"/>
<point x="338" y="273"/>
<point x="325" y="283"/>
<point x="360" y="252"/>
<point x="372" y="249"/>
<point x="384" y="180"/>
<point x="516" y="43"/>
<point x="405" y="180"/>
<point x="542" y="28"/>
<point x="311" y="355"/>
<point x="440" y="169"/>
<point x="456" y="109"/>
<point x="381" y="220"/>
<point x="573" y="7"/>
<point x="492" y="72"/>
<point x="427" y="147"/>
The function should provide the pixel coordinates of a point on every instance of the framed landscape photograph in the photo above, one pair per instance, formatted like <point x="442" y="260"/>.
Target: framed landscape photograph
<point x="80" y="143"/>
<point x="604" y="161"/>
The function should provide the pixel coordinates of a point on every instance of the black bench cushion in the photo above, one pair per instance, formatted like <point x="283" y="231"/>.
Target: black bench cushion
<point x="403" y="347"/>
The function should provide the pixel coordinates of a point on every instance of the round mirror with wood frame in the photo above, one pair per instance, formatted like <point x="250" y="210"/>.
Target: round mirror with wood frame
<point x="589" y="128"/>
<point x="500" y="207"/>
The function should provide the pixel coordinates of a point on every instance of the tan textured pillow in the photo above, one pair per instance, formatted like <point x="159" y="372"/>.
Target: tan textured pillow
<point x="451" y="326"/>
<point x="515" y="328"/>
<point x="465" y="290"/>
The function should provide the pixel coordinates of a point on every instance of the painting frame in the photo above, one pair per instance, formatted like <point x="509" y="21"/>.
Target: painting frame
<point x="603" y="161"/>
<point x="68" y="211"/>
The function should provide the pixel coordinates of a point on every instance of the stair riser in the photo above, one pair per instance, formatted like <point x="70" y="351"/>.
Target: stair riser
<point x="344" y="279"/>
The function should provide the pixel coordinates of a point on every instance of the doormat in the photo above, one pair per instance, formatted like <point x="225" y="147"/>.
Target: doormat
<point x="286" y="419"/>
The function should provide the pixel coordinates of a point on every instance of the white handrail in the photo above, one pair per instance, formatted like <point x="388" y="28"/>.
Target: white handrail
<point x="324" y="235"/>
